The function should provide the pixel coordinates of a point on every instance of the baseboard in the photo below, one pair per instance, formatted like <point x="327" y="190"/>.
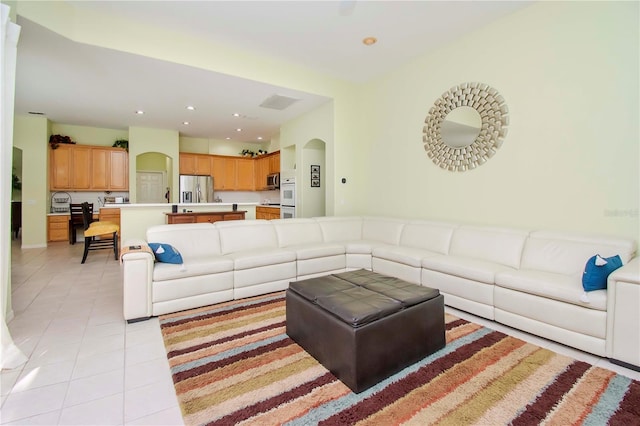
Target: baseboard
<point x="625" y="364"/>
<point x="30" y="246"/>
<point x="131" y="321"/>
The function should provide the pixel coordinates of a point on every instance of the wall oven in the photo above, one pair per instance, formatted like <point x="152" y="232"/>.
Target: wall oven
<point x="288" y="198"/>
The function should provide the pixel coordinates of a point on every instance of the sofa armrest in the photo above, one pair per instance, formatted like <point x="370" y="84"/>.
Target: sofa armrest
<point x="137" y="278"/>
<point x="629" y="273"/>
<point x="623" y="314"/>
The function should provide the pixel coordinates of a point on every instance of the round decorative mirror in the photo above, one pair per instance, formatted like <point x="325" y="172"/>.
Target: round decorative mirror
<point x="465" y="127"/>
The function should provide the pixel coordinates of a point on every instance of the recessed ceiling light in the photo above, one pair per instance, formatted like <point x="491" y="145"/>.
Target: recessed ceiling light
<point x="235" y="114"/>
<point x="191" y="107"/>
<point x="238" y="130"/>
<point x="368" y="41"/>
<point x="259" y="138"/>
<point x="186" y="123"/>
<point x="139" y="112"/>
<point x="228" y="138"/>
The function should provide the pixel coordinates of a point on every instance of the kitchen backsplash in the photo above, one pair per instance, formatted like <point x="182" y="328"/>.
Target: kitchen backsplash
<point x="95" y="198"/>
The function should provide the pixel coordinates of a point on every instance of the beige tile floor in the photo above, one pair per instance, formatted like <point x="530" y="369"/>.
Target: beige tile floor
<point x="86" y="365"/>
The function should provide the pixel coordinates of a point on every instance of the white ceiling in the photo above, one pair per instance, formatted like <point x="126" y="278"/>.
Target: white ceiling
<point x="74" y="83"/>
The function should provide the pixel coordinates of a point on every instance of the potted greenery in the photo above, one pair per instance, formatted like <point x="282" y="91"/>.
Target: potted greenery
<point x="55" y="140"/>
<point x="121" y="143"/>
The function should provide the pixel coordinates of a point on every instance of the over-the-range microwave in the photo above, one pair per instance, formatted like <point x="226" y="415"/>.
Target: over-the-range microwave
<point x="273" y="181"/>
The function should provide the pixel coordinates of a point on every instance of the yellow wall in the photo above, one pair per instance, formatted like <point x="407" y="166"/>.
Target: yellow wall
<point x="569" y="74"/>
<point x="85" y="135"/>
<point x="151" y="161"/>
<point x="31" y="135"/>
<point x="219" y="147"/>
<point x="84" y="26"/>
<point x="568" y="71"/>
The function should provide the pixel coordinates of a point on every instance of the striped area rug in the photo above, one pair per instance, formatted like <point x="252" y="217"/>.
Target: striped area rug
<point x="233" y="364"/>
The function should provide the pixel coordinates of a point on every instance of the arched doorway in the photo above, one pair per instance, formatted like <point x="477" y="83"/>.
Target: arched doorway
<point x="153" y="178"/>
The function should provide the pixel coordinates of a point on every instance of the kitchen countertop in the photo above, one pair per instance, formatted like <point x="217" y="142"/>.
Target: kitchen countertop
<point x="180" y="205"/>
<point x="166" y="205"/>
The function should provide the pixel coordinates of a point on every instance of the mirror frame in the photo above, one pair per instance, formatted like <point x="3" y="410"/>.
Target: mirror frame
<point x="495" y="118"/>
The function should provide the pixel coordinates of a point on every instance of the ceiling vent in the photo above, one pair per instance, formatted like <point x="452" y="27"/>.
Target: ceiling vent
<point x="278" y="102"/>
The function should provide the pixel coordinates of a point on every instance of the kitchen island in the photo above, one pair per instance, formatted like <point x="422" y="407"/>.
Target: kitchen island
<point x="204" y="217"/>
<point x="136" y="218"/>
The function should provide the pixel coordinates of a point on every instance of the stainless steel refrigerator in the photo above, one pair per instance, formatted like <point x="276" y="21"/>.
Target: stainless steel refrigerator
<point x="196" y="189"/>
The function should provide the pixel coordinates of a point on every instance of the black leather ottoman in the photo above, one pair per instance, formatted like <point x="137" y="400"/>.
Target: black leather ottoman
<point x="363" y="326"/>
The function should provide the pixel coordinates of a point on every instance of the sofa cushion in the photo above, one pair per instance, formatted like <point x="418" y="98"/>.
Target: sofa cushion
<point x="497" y="245"/>
<point x="337" y="228"/>
<point x="241" y="235"/>
<point x="293" y="232"/>
<point x="382" y="229"/>
<point x="561" y="287"/>
<point x="192" y="267"/>
<point x="472" y="269"/>
<point x="190" y="239"/>
<point x="166" y="253"/>
<point x="313" y="251"/>
<point x="597" y="270"/>
<point x="431" y="236"/>
<point x="566" y="253"/>
<point x="248" y="259"/>
<point x="405" y="255"/>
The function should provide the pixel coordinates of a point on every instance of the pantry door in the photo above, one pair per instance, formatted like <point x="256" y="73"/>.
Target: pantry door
<point x="151" y="187"/>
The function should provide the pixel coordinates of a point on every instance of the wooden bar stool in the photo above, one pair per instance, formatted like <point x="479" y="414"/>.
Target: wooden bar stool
<point x="107" y="233"/>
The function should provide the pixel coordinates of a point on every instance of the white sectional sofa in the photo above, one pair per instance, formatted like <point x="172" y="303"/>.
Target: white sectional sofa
<point x="530" y="280"/>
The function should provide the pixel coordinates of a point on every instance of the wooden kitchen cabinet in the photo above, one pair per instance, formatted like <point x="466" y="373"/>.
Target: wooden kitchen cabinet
<point x="244" y="174"/>
<point x="69" y="168"/>
<point x="232" y="173"/>
<point x="81" y="168"/>
<point x="110" y="215"/>
<point x="119" y="170"/>
<point x="100" y="161"/>
<point x="274" y="162"/>
<point x="187" y="164"/>
<point x="58" y="228"/>
<point x="195" y="164"/>
<point x="204" y="217"/>
<point x="109" y="169"/>
<point x="60" y="168"/>
<point x="261" y="171"/>
<point x="268" y="213"/>
<point x="221" y="180"/>
<point x="88" y="168"/>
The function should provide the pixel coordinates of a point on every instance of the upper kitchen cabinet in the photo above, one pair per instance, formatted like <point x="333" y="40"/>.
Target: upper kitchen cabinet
<point x="195" y="164"/>
<point x="261" y="170"/>
<point x="88" y="168"/>
<point x="70" y="167"/>
<point x="223" y="173"/>
<point x="231" y="173"/>
<point x="119" y="170"/>
<point x="274" y="162"/>
<point x="244" y="174"/>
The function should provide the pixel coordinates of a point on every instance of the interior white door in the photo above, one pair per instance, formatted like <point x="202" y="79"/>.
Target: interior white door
<point x="150" y="187"/>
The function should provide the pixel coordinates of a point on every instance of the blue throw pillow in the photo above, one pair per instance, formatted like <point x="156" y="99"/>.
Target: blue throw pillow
<point x="166" y="253"/>
<point x="597" y="270"/>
